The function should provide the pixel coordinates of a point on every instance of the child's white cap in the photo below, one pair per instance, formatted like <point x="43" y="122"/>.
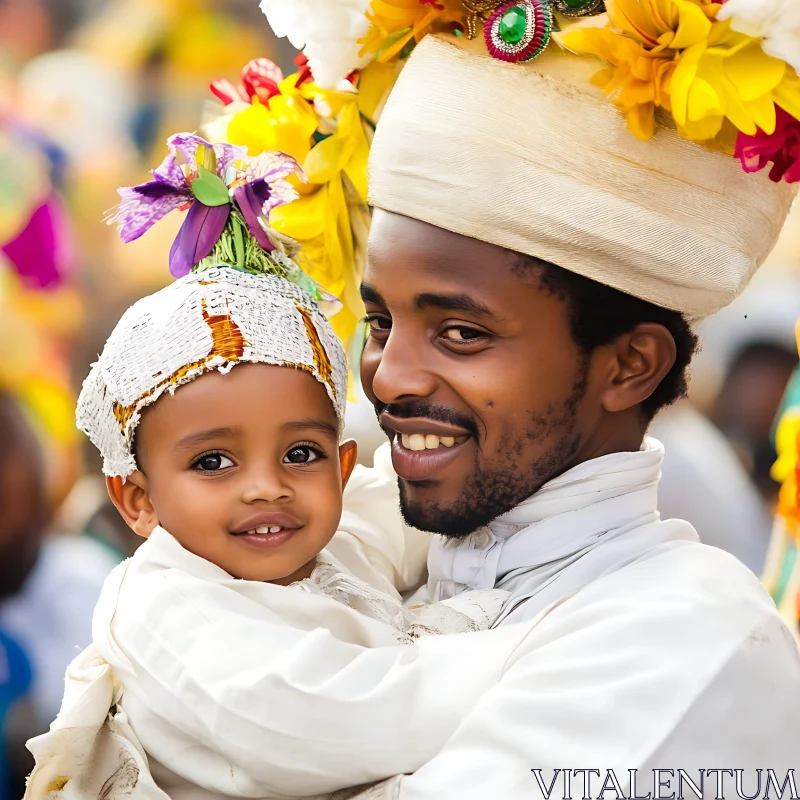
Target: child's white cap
<point x="209" y="320"/>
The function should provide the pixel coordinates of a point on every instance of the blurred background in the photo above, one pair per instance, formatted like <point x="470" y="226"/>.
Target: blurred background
<point x="89" y="91"/>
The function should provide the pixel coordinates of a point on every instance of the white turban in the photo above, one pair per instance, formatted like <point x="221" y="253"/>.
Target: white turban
<point x="532" y="157"/>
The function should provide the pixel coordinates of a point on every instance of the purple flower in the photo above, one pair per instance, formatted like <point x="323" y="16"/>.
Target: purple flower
<point x="205" y="181"/>
<point x="171" y="188"/>
<point x="262" y="187"/>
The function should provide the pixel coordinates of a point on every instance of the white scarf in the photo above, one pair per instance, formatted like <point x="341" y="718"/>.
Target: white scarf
<point x="590" y="520"/>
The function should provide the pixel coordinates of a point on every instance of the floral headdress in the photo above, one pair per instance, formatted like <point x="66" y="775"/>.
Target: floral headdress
<point x="726" y="71"/>
<point x="239" y="297"/>
<point x="228" y="197"/>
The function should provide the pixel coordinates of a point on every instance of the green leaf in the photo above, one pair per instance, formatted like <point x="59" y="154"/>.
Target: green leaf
<point x="209" y="188"/>
<point x="238" y="241"/>
<point x="392" y="39"/>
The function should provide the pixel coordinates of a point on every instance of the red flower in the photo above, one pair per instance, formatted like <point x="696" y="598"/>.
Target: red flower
<point x="260" y="78"/>
<point x="304" y="71"/>
<point x="782" y="148"/>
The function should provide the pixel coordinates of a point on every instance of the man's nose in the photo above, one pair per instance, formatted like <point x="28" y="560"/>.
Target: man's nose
<point x="267" y="483"/>
<point x="404" y="368"/>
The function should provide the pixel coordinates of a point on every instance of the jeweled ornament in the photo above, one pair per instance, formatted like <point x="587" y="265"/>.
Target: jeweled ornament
<point x="518" y="30"/>
<point x="579" y="8"/>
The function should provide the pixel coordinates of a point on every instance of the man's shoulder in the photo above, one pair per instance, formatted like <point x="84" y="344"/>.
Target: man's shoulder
<point x="688" y="582"/>
<point x="681" y="606"/>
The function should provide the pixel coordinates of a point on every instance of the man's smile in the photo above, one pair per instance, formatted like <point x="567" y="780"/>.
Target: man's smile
<point x="422" y="447"/>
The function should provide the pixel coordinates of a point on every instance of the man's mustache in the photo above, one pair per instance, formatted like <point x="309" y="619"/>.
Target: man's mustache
<point x="422" y="409"/>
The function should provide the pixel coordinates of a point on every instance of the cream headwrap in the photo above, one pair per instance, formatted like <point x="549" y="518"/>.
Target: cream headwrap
<point x="532" y="157"/>
<point x="208" y="320"/>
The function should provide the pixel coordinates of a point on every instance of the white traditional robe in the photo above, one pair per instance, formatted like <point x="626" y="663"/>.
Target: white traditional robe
<point x="647" y="650"/>
<point x="637" y="648"/>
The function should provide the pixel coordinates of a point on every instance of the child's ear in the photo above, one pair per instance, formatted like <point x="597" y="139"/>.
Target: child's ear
<point x="348" y="452"/>
<point x="132" y="500"/>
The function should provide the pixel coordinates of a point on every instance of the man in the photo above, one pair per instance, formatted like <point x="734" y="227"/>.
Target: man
<point x="531" y="274"/>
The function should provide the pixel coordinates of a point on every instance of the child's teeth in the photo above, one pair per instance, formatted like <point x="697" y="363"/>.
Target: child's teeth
<point x="431" y="442"/>
<point x="416" y="441"/>
<point x="447" y="441"/>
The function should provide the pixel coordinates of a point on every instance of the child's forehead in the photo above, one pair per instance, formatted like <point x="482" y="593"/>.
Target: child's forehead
<point x="253" y="395"/>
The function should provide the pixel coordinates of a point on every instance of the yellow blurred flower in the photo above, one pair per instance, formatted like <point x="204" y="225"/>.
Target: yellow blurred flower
<point x="786" y="468"/>
<point x="34" y="371"/>
<point x="674" y="54"/>
<point x="396" y="23"/>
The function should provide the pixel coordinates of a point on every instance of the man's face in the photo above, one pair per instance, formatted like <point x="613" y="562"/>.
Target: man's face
<point x="473" y="373"/>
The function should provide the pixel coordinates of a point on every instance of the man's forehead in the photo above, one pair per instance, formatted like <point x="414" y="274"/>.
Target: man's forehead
<point x="408" y="256"/>
<point x="394" y="238"/>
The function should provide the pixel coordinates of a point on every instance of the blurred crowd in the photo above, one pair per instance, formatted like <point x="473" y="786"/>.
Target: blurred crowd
<point x="89" y="90"/>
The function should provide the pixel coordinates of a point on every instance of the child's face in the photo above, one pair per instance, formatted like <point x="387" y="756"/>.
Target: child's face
<point x="244" y="470"/>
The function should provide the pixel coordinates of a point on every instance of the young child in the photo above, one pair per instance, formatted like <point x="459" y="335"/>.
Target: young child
<point x="256" y="644"/>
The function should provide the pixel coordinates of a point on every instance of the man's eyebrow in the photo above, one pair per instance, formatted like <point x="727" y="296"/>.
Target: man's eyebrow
<point x="195" y="439"/>
<point x="321" y="425"/>
<point x="370" y="295"/>
<point x="453" y="302"/>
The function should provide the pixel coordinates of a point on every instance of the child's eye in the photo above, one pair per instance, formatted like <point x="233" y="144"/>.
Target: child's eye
<point x="301" y="454"/>
<point x="212" y="462"/>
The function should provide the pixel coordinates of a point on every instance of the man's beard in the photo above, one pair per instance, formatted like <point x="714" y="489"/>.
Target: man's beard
<point x="490" y="492"/>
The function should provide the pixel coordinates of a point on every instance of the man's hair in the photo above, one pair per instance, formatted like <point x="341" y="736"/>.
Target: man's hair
<point x="599" y="314"/>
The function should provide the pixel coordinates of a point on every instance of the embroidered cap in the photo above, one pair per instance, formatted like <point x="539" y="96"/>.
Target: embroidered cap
<point x="210" y="320"/>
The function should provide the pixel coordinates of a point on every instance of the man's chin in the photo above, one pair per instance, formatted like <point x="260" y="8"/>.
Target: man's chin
<point x="453" y="518"/>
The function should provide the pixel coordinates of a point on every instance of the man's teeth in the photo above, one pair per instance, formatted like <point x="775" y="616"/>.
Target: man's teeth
<point x="265" y="529"/>
<point x="420" y="441"/>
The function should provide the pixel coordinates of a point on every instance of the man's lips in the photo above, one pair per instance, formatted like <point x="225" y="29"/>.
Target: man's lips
<point x="267" y="529"/>
<point x="421" y="425"/>
<point x="421" y="447"/>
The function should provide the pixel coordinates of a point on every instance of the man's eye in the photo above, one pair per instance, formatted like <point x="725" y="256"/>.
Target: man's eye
<point x="379" y="324"/>
<point x="301" y="455"/>
<point x="212" y="462"/>
<point x="462" y="333"/>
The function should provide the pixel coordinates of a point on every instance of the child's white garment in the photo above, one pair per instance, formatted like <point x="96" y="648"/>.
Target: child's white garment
<point x="254" y="690"/>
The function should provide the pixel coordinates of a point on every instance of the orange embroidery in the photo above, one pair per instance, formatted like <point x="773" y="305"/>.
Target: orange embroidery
<point x="321" y="360"/>
<point x="226" y="336"/>
<point x="226" y="341"/>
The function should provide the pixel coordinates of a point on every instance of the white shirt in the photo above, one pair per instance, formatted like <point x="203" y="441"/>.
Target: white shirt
<point x="647" y="649"/>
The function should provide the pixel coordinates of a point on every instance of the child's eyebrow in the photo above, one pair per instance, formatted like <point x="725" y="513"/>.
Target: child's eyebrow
<point x="316" y="424"/>
<point x="195" y="439"/>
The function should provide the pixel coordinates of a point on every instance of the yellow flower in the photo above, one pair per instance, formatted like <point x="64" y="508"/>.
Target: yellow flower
<point x="287" y="124"/>
<point x="324" y="131"/>
<point x="395" y="23"/>
<point x="674" y="54"/>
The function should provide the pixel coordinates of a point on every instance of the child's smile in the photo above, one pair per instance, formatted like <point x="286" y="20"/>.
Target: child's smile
<point x="267" y="529"/>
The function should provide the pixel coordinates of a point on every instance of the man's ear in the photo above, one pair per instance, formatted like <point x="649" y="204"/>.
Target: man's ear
<point x="348" y="453"/>
<point x="642" y="359"/>
<point x="132" y="500"/>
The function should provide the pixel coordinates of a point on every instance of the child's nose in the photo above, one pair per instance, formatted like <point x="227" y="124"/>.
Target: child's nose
<point x="267" y="484"/>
